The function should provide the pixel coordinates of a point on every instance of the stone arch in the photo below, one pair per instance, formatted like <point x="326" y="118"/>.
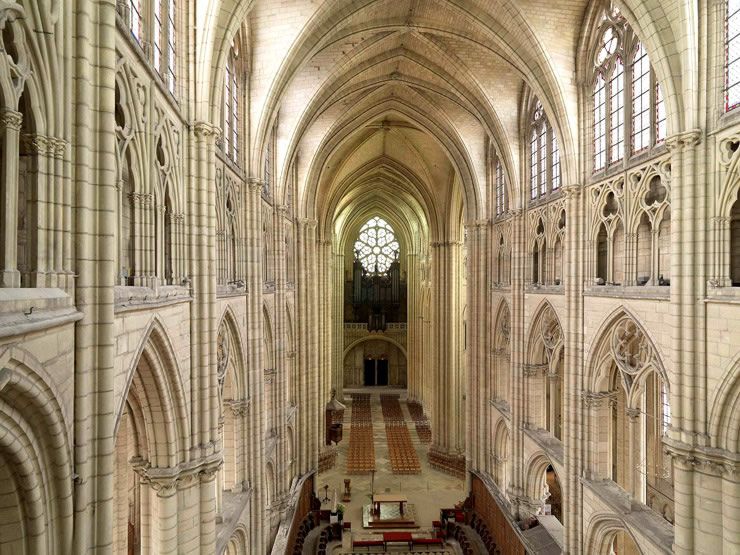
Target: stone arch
<point x="238" y="542"/>
<point x="537" y="490"/>
<point x="724" y="417"/>
<point x="233" y="393"/>
<point x="151" y="439"/>
<point x="440" y="130"/>
<point x="161" y="397"/>
<point x="627" y="402"/>
<point x="601" y="533"/>
<point x="544" y="370"/>
<point x="268" y="358"/>
<point x="35" y="468"/>
<point x="649" y="22"/>
<point x="361" y="340"/>
<point x="595" y="375"/>
<point x="270" y="484"/>
<point x="501" y="437"/>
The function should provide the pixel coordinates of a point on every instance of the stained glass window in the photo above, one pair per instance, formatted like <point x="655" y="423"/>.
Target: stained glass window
<point x="624" y="80"/>
<point x="732" y="55"/>
<point x="640" y="100"/>
<point x="376" y="247"/>
<point x="500" y="189"/>
<point x="157" y="35"/>
<point x="544" y="161"/>
<point x="171" y="56"/>
<point x="135" y="21"/>
<point x="231" y="109"/>
<point x="600" y="123"/>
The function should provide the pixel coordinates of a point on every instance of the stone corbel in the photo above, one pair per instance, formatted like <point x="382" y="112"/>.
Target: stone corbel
<point x="531" y="370"/>
<point x="571" y="192"/>
<point x="10" y="119"/>
<point x="684" y="139"/>
<point x="255" y="184"/>
<point x="165" y="487"/>
<point x="596" y="398"/>
<point x="205" y="130"/>
<point x="633" y="413"/>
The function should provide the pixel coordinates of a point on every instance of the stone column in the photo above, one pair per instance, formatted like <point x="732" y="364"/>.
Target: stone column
<point x="254" y="436"/>
<point x="517" y="382"/>
<point x="574" y="411"/>
<point x="92" y="89"/>
<point x="687" y="374"/>
<point x="10" y="125"/>
<point x="207" y="478"/>
<point x="337" y="319"/>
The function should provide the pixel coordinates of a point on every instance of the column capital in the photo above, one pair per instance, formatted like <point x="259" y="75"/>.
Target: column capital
<point x="595" y="398"/>
<point x="571" y="191"/>
<point x="475" y="224"/>
<point x="10" y="119"/>
<point x="633" y="413"/>
<point x="38" y="144"/>
<point x="532" y="370"/>
<point x="309" y="223"/>
<point x="204" y="129"/>
<point x="255" y="184"/>
<point x="683" y="139"/>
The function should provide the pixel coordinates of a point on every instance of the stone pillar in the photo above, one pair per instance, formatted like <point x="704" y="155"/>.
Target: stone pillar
<point x="517" y="382"/>
<point x="10" y="125"/>
<point x="574" y="411"/>
<point x="93" y="126"/>
<point x="254" y="437"/>
<point x="337" y="314"/>
<point x="687" y="374"/>
<point x="207" y="515"/>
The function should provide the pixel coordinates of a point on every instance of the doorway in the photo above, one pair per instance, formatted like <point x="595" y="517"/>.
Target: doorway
<point x="375" y="371"/>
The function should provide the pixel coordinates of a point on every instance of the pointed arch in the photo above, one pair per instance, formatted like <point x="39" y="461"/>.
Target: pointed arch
<point x="724" y="416"/>
<point x="35" y="459"/>
<point x="601" y="533"/>
<point x="155" y="390"/>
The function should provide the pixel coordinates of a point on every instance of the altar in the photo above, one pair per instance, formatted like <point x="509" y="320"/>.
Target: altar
<point x="389" y="510"/>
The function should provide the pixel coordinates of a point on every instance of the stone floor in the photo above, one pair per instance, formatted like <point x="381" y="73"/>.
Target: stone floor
<point x="428" y="491"/>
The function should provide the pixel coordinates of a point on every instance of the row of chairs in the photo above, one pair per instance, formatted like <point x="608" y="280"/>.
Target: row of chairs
<point x="361" y="451"/>
<point x="481" y="528"/>
<point x="447" y="463"/>
<point x="391" y="408"/>
<point x="454" y="530"/>
<point x="325" y="537"/>
<point x="423" y="429"/>
<point x="307" y="524"/>
<point x="401" y="451"/>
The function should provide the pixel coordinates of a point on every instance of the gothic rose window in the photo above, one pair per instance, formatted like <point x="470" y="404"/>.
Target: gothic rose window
<point x="376" y="247"/>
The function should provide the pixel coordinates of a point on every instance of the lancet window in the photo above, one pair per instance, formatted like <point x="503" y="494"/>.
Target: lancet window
<point x="502" y="201"/>
<point x="231" y="104"/>
<point x="154" y="23"/>
<point x="544" y="155"/>
<point x="732" y="55"/>
<point x="627" y="98"/>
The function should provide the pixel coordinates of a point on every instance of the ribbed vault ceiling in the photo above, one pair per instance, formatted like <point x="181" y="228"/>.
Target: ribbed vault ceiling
<point x="407" y="94"/>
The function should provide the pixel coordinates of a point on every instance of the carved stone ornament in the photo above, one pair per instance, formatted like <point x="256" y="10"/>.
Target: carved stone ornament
<point x="630" y="347"/>
<point x="552" y="334"/>
<point x="222" y="352"/>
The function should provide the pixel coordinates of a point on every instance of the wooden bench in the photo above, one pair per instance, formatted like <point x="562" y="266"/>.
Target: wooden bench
<point x="429" y="541"/>
<point x="367" y="544"/>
